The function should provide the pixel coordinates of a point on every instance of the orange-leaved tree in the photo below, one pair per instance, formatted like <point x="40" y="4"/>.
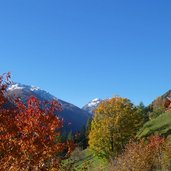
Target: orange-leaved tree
<point x="29" y="133"/>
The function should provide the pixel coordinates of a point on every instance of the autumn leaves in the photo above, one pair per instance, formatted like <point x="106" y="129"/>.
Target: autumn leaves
<point x="115" y="122"/>
<point x="28" y="134"/>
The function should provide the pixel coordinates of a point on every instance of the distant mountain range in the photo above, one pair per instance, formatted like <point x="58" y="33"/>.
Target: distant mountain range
<point x="74" y="117"/>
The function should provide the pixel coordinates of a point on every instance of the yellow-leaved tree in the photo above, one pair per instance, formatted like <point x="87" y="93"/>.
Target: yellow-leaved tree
<point x="114" y="123"/>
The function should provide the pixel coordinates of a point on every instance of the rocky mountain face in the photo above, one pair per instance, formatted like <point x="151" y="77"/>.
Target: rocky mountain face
<point x="92" y="105"/>
<point x="74" y="117"/>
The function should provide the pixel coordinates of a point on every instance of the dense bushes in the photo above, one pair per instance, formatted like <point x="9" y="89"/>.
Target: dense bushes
<point x="146" y="155"/>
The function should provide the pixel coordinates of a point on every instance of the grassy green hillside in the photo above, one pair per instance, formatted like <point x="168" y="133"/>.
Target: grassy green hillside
<point x="160" y="125"/>
<point x="85" y="160"/>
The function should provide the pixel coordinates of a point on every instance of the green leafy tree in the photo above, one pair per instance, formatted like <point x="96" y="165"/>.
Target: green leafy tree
<point x="156" y="112"/>
<point x="88" y="126"/>
<point x="143" y="111"/>
<point x="81" y="138"/>
<point x="115" y="122"/>
<point x="70" y="136"/>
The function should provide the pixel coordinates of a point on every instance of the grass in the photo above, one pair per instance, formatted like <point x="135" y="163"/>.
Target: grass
<point x="85" y="160"/>
<point x="160" y="125"/>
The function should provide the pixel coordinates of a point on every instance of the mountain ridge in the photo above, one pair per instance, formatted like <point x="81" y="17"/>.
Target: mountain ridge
<point x="74" y="117"/>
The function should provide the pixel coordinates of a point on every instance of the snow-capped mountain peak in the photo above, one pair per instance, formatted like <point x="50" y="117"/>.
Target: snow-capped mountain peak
<point x="70" y="113"/>
<point x="94" y="102"/>
<point x="92" y="105"/>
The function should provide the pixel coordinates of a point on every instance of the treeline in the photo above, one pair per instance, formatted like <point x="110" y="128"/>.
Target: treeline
<point x="80" y="138"/>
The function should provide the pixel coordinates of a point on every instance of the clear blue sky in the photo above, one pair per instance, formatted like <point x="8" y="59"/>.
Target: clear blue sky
<point x="82" y="49"/>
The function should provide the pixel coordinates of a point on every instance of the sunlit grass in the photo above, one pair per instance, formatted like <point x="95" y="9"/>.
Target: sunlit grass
<point x="160" y="125"/>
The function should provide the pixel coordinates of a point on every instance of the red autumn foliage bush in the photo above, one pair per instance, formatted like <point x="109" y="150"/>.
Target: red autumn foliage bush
<point x="29" y="134"/>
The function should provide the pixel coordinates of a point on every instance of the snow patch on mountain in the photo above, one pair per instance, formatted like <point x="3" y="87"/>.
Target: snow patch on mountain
<point x="34" y="88"/>
<point x="92" y="105"/>
<point x="94" y="102"/>
<point x="15" y="87"/>
<point x="18" y="86"/>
